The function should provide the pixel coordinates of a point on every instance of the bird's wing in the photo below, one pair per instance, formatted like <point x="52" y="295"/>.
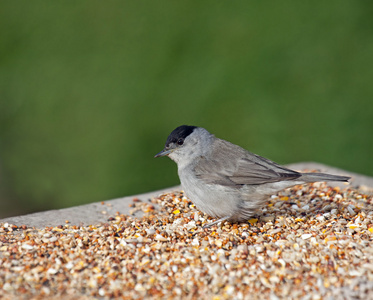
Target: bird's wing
<point x="230" y="165"/>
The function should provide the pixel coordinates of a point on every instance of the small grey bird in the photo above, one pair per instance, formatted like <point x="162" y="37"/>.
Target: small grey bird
<point x="224" y="180"/>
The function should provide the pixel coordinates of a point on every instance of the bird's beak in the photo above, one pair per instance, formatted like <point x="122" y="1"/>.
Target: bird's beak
<point x="163" y="153"/>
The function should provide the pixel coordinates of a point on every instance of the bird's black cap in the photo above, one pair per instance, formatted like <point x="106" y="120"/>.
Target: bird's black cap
<point x="180" y="132"/>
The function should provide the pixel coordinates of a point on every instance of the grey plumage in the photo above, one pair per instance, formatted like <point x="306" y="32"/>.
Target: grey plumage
<point x="225" y="180"/>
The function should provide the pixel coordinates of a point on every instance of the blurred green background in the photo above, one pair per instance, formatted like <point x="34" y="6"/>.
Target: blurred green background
<point x="90" y="90"/>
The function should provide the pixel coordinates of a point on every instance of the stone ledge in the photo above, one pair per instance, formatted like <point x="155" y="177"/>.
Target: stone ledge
<point x="99" y="212"/>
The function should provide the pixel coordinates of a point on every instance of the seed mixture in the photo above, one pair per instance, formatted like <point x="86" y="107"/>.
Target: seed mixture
<point x="309" y="242"/>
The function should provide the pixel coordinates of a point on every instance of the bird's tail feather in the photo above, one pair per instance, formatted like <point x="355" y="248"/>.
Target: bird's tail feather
<point x="313" y="177"/>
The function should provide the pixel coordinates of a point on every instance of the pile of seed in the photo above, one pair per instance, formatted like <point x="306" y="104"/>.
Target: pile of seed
<point x="309" y="242"/>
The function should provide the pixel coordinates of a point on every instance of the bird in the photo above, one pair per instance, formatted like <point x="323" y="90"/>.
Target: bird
<point x="226" y="181"/>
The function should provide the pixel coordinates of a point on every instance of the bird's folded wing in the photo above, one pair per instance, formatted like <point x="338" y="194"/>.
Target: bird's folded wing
<point x="230" y="165"/>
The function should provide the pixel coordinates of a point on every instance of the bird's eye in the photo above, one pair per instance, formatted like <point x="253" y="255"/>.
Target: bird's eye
<point x="180" y="142"/>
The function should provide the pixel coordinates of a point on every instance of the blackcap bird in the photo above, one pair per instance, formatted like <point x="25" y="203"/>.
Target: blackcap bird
<point x="226" y="181"/>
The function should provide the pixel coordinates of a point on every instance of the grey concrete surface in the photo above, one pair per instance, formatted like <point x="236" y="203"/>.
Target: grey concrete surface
<point x="93" y="213"/>
<point x="99" y="212"/>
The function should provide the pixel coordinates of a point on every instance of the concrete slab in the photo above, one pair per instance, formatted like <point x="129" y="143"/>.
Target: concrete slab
<point x="87" y="214"/>
<point x="95" y="213"/>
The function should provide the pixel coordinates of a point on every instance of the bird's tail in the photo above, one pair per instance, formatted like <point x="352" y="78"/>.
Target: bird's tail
<point x="313" y="177"/>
